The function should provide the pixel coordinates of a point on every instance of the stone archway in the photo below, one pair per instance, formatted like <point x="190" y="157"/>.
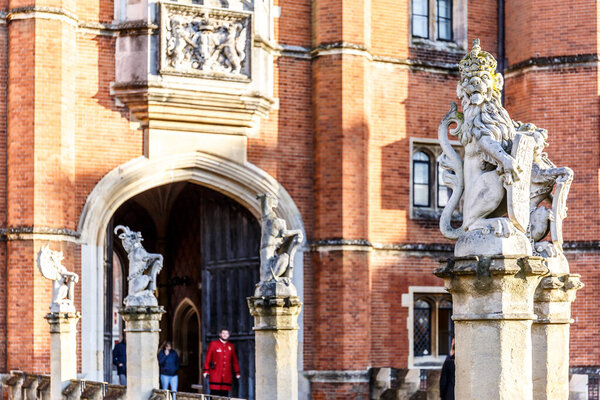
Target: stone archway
<point x="241" y="182"/>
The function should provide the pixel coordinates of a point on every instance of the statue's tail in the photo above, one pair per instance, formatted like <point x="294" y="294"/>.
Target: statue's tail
<point x="453" y="175"/>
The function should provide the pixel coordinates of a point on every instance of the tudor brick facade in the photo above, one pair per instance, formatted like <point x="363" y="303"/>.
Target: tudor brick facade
<point x="351" y="92"/>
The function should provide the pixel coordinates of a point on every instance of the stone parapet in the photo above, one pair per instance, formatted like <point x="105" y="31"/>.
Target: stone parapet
<point x="550" y="335"/>
<point x="276" y="341"/>
<point x="493" y="312"/>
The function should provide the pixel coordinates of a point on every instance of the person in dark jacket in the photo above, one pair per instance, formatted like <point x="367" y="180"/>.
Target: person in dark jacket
<point x="168" y="361"/>
<point x="447" y="377"/>
<point x="120" y="361"/>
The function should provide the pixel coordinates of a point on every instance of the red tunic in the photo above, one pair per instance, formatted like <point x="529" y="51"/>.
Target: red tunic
<point x="219" y="361"/>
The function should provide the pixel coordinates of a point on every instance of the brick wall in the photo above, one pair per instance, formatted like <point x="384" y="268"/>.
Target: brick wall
<point x="339" y="143"/>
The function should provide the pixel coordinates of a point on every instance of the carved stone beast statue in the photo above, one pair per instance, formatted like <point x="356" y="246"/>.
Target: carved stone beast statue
<point x="504" y="175"/>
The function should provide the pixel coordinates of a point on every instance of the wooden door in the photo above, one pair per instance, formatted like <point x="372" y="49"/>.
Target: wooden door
<point x="230" y="270"/>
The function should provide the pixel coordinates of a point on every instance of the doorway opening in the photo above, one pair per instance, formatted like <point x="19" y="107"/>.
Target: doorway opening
<point x="210" y="245"/>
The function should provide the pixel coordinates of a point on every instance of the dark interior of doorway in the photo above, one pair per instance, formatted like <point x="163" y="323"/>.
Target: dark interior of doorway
<point x="211" y="248"/>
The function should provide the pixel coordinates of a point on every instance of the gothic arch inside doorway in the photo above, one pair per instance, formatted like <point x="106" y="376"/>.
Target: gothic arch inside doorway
<point x="239" y="182"/>
<point x="187" y="340"/>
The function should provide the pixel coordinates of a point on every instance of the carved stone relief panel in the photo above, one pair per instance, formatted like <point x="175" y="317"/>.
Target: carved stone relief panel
<point x="203" y="41"/>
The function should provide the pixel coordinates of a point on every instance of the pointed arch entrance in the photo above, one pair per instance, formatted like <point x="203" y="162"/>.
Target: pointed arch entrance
<point x="236" y="182"/>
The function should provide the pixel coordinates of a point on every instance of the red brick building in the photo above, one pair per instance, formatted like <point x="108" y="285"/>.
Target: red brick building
<point x="171" y="116"/>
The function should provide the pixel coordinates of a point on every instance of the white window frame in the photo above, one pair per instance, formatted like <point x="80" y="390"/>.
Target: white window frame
<point x="459" y="28"/>
<point x="408" y="300"/>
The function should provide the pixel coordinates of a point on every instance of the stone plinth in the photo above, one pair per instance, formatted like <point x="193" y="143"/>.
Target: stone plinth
<point x="63" y="350"/>
<point x="276" y="341"/>
<point x="142" y="332"/>
<point x="550" y="336"/>
<point x="493" y="312"/>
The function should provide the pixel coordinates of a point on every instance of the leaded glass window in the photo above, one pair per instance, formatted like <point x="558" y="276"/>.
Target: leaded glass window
<point x="420" y="18"/>
<point x="422" y="319"/>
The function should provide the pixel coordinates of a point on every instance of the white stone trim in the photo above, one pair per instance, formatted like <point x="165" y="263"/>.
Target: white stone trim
<point x="242" y="182"/>
<point x="408" y="300"/>
<point x="338" y="376"/>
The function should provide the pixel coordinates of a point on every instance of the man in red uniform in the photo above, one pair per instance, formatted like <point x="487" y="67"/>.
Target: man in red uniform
<point x="218" y="364"/>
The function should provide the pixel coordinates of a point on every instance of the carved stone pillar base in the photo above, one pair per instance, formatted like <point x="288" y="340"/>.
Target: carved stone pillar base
<point x="550" y="336"/>
<point x="142" y="332"/>
<point x="276" y="341"/>
<point x="493" y="312"/>
<point x="63" y="350"/>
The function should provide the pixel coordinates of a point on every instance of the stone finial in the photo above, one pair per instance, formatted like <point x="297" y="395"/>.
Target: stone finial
<point x="50" y="265"/>
<point x="143" y="269"/>
<point x="505" y="175"/>
<point x="278" y="246"/>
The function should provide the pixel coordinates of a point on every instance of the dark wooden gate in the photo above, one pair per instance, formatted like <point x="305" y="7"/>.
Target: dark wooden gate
<point x="230" y="269"/>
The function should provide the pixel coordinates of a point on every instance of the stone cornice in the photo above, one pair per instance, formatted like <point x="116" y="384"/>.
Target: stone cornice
<point x="40" y="12"/>
<point x="332" y="376"/>
<point x="360" y="50"/>
<point x="38" y="233"/>
<point x="365" y="245"/>
<point x="555" y="62"/>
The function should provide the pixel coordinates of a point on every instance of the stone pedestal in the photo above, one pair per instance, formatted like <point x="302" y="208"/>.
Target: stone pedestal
<point x="493" y="312"/>
<point x="63" y="350"/>
<point x="550" y="336"/>
<point x="276" y="341"/>
<point x="142" y="332"/>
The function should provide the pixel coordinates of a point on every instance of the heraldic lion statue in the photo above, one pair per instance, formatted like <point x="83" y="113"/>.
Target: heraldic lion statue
<point x="504" y="177"/>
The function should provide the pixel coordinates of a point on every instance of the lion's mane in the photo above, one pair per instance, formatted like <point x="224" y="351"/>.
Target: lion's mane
<point x="488" y="118"/>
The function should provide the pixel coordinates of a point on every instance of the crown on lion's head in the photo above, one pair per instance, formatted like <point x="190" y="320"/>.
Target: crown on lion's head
<point x="480" y="92"/>
<point x="477" y="60"/>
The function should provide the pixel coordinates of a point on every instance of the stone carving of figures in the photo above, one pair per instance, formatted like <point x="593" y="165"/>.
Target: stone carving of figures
<point x="143" y="269"/>
<point x="180" y="45"/>
<point x="50" y="265"/>
<point x="278" y="247"/>
<point x="233" y="47"/>
<point x="204" y="40"/>
<point x="504" y="176"/>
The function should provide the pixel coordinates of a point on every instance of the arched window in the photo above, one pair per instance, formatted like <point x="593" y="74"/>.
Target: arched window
<point x="421" y="179"/>
<point x="432" y="327"/>
<point x="422" y="320"/>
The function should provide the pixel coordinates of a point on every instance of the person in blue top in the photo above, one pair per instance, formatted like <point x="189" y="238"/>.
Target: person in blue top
<point x="168" y="361"/>
<point x="120" y="361"/>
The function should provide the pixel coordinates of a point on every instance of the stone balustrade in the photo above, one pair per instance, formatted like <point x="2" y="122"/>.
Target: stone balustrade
<point x="23" y="386"/>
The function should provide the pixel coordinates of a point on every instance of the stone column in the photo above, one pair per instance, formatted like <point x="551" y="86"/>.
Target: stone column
<point x="142" y="332"/>
<point x="550" y="336"/>
<point x="493" y="312"/>
<point x="276" y="343"/>
<point x="63" y="350"/>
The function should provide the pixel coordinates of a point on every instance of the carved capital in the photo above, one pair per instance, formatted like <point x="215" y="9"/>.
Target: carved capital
<point x="275" y="313"/>
<point x="492" y="288"/>
<point x="63" y="322"/>
<point x="553" y="298"/>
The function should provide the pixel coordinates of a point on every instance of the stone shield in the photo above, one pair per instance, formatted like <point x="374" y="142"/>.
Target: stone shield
<point x="518" y="193"/>
<point x="559" y="211"/>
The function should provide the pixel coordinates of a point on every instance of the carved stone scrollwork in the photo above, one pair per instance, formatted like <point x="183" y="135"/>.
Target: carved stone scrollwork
<point x="206" y="42"/>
